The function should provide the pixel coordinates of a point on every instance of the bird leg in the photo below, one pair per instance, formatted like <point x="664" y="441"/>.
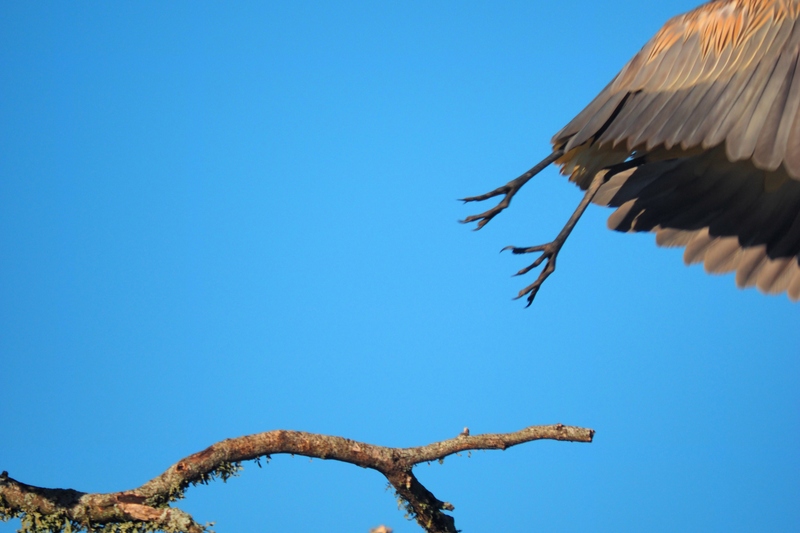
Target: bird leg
<point x="509" y="190"/>
<point x="550" y="250"/>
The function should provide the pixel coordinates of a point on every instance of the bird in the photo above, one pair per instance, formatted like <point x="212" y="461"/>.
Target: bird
<point x="696" y="139"/>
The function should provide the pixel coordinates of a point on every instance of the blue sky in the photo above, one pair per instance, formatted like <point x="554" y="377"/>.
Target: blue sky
<point x="217" y="220"/>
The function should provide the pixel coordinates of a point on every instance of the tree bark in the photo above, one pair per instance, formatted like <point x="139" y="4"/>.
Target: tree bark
<point x="147" y="507"/>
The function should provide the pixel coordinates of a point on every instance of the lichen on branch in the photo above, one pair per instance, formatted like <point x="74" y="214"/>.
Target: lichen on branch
<point x="146" y="509"/>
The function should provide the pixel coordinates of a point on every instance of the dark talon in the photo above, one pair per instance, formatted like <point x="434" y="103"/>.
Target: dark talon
<point x="509" y="190"/>
<point x="549" y="251"/>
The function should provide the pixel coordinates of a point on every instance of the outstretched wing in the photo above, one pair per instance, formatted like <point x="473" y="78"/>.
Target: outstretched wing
<point x="725" y="72"/>
<point x="709" y="110"/>
<point x="720" y="211"/>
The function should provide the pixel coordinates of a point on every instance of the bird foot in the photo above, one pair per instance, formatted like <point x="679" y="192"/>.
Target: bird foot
<point x="549" y="252"/>
<point x="509" y="190"/>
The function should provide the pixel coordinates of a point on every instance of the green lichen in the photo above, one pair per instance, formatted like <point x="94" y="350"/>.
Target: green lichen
<point x="225" y="471"/>
<point x="57" y="523"/>
<point x="6" y="512"/>
<point x="34" y="522"/>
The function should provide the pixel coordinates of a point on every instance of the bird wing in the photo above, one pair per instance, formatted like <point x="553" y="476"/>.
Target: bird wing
<point x="719" y="210"/>
<point x="728" y="71"/>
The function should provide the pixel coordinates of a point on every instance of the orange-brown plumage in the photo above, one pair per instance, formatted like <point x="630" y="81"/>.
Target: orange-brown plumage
<point x="721" y="23"/>
<point x="724" y="72"/>
<point x="698" y="140"/>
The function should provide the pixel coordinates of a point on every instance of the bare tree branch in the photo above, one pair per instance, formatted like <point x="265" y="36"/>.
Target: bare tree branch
<point x="147" y="508"/>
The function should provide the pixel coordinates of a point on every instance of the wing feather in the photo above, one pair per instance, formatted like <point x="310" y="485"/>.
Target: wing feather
<point x="730" y="83"/>
<point x="703" y="90"/>
<point x="625" y="119"/>
<point x="697" y="120"/>
<point x="743" y="103"/>
<point x="744" y="136"/>
<point x="770" y="156"/>
<point x="792" y="157"/>
<point x="721" y="211"/>
<point x="723" y="73"/>
<point x="673" y="238"/>
<point x="772" y="278"/>
<point x="651" y="118"/>
<point x="752" y="262"/>
<point x="722" y="257"/>
<point x="789" y="241"/>
<point x="589" y="121"/>
<point x="666" y="68"/>
<point x="696" y="249"/>
<point x="672" y="94"/>
<point x="699" y="139"/>
<point x="794" y="286"/>
<point x="771" y="147"/>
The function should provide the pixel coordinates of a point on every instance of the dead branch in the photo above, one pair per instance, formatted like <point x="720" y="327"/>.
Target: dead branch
<point x="147" y="508"/>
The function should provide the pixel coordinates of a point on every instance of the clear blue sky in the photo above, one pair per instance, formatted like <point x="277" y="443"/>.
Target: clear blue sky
<point x="221" y="219"/>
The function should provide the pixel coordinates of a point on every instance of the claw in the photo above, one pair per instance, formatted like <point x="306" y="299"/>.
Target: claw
<point x="550" y="250"/>
<point x="550" y="267"/>
<point x="508" y="190"/>
<point x="491" y="194"/>
<point x="530" y="249"/>
<point x="483" y="218"/>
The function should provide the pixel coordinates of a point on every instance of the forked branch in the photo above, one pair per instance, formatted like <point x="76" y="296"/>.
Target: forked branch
<point x="147" y="508"/>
